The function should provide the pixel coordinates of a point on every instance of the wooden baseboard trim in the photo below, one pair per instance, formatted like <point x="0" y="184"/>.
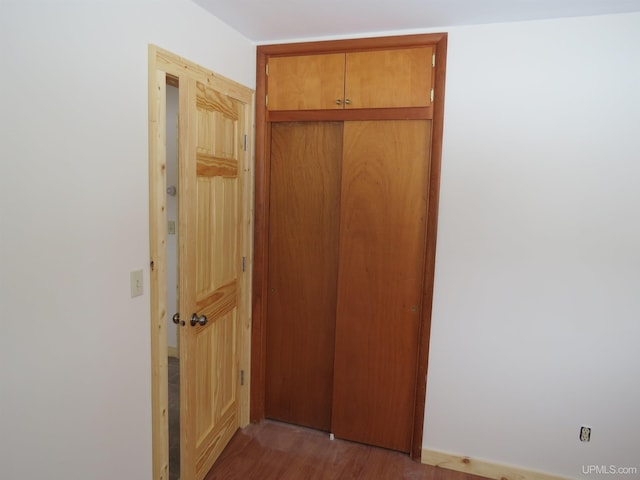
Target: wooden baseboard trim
<point x="482" y="468"/>
<point x="173" y="352"/>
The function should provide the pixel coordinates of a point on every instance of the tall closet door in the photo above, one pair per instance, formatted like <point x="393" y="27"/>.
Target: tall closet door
<point x="303" y="261"/>
<point x="381" y="268"/>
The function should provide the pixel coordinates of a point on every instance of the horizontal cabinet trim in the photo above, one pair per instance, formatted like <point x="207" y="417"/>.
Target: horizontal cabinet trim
<point x="351" y="45"/>
<point x="405" y="113"/>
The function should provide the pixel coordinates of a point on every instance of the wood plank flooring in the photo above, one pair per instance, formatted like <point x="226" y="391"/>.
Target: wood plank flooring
<point x="278" y="451"/>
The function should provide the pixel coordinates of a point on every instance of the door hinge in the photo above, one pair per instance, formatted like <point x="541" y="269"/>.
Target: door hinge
<point x="433" y="60"/>
<point x="432" y="95"/>
<point x="244" y="264"/>
<point x="246" y="142"/>
<point x="241" y="377"/>
<point x="266" y="68"/>
<point x="266" y="100"/>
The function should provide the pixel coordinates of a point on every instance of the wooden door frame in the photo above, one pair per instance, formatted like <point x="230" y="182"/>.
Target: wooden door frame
<point x="262" y="185"/>
<point x="168" y="68"/>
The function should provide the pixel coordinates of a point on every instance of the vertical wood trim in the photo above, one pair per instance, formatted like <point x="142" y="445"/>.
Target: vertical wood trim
<point x="246" y="171"/>
<point x="261" y="238"/>
<point x="430" y="249"/>
<point x="158" y="273"/>
<point x="187" y="221"/>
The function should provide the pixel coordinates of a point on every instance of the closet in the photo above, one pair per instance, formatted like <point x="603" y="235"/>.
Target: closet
<point x="370" y="79"/>
<point x="347" y="175"/>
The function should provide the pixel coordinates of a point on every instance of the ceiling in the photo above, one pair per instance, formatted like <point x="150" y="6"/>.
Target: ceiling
<point x="264" y="21"/>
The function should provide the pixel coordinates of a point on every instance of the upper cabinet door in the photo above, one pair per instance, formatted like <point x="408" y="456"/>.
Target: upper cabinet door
<point x="389" y="78"/>
<point x="307" y="82"/>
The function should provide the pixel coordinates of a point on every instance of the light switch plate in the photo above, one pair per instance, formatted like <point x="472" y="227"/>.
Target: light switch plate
<point x="171" y="227"/>
<point x="136" y="283"/>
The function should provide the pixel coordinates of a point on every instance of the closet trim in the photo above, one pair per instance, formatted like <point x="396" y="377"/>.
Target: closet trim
<point x="407" y="113"/>
<point x="262" y="190"/>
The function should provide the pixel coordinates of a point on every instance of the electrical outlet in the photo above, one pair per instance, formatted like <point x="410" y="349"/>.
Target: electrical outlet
<point x="585" y="434"/>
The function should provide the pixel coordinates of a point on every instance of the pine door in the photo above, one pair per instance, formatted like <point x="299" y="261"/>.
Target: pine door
<point x="211" y="132"/>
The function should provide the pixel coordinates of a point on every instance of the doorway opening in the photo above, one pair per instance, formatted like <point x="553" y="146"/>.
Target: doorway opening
<point x="207" y="250"/>
<point x="173" y="331"/>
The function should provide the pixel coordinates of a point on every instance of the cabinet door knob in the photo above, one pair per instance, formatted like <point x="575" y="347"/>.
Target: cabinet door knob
<point x="338" y="102"/>
<point x="347" y="101"/>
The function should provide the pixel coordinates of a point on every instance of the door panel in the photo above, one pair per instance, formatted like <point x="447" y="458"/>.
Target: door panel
<point x="210" y="137"/>
<point x="307" y="82"/>
<point x="389" y="78"/>
<point x="381" y="264"/>
<point x="303" y="260"/>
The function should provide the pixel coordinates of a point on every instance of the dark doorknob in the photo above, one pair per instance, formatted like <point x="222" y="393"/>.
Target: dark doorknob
<point x="201" y="320"/>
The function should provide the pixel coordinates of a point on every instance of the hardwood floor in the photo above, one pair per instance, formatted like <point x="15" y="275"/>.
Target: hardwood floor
<point x="278" y="451"/>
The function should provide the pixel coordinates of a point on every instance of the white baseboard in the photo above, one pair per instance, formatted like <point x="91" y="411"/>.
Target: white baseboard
<point x="482" y="468"/>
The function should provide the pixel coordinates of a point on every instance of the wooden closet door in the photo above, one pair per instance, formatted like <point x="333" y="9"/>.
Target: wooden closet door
<point x="389" y="78"/>
<point x="382" y="246"/>
<point x="306" y="82"/>
<point x="303" y="259"/>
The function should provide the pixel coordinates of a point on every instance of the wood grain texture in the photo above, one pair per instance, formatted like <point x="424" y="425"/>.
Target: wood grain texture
<point x="217" y="246"/>
<point x="380" y="280"/>
<point x="394" y="78"/>
<point x="308" y="82"/>
<point x="495" y="471"/>
<point x="210" y="165"/>
<point x="158" y="269"/>
<point x="263" y="125"/>
<point x="209" y="212"/>
<point x="303" y="260"/>
<point x="276" y="451"/>
<point x="411" y="113"/>
<point x="187" y="227"/>
<point x="245" y="194"/>
<point x="389" y="78"/>
<point x="352" y="44"/>
<point x="430" y="246"/>
<point x="260" y="246"/>
<point x="221" y="301"/>
<point x="180" y="68"/>
<point x="227" y="108"/>
<point x="215" y="374"/>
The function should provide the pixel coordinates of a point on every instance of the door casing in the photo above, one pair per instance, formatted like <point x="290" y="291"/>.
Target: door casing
<point x="166" y="67"/>
<point x="262" y="192"/>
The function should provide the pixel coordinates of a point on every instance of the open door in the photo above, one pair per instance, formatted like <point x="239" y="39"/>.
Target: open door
<point x="215" y="185"/>
<point x="210" y="262"/>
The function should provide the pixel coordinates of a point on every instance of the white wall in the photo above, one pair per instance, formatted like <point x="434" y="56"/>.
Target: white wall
<point x="172" y="214"/>
<point x="536" y="305"/>
<point x="75" y="361"/>
<point x="536" y="317"/>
